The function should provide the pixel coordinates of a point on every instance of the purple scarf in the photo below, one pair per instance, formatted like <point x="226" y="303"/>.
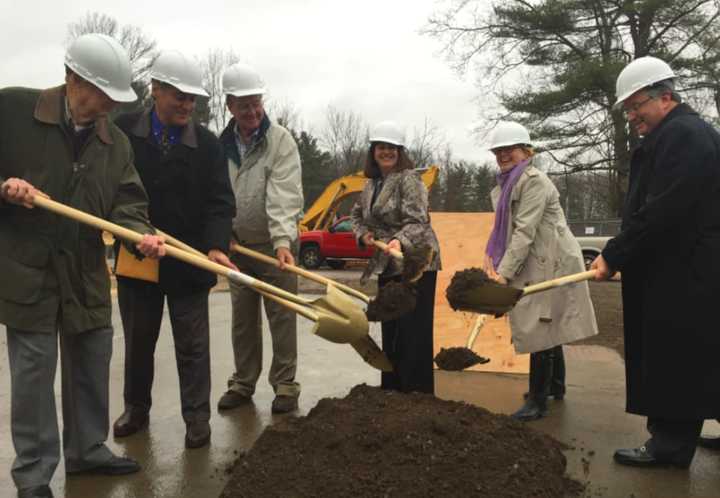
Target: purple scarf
<point x="498" y="238"/>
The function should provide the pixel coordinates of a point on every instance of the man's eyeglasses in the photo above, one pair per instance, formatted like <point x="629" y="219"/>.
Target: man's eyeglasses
<point x="636" y="106"/>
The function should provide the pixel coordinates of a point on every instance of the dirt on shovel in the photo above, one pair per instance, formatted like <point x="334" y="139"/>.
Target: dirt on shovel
<point x="416" y="259"/>
<point x="392" y="301"/>
<point x="376" y="443"/>
<point x="456" y="359"/>
<point x="466" y="283"/>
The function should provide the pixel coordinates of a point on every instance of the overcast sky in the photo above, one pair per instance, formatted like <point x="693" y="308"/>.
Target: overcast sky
<point x="366" y="56"/>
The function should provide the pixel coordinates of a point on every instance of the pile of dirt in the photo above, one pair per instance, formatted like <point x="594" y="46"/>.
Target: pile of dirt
<point x="393" y="300"/>
<point x="376" y="443"/>
<point x="455" y="359"/>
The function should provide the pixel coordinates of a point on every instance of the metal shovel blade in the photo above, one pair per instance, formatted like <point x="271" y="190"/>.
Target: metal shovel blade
<point x="372" y="354"/>
<point x="490" y="298"/>
<point x="339" y="320"/>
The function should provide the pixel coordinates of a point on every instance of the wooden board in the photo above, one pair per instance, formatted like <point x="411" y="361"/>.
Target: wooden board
<point x="463" y="237"/>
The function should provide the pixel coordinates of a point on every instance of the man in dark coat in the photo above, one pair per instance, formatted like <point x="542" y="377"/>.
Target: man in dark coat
<point x="182" y="167"/>
<point x="54" y="282"/>
<point x="667" y="253"/>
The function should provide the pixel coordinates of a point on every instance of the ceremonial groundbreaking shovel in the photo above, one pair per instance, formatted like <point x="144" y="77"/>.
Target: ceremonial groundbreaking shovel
<point x="489" y="297"/>
<point x="299" y="271"/>
<point x="365" y="346"/>
<point x="335" y="319"/>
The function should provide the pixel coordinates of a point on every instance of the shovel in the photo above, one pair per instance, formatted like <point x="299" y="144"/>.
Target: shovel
<point x="414" y="265"/>
<point x="460" y="358"/>
<point x="335" y="316"/>
<point x="365" y="346"/>
<point x="300" y="271"/>
<point x="496" y="299"/>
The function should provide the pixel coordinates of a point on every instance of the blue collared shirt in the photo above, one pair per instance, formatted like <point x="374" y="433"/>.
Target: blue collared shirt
<point x="173" y="132"/>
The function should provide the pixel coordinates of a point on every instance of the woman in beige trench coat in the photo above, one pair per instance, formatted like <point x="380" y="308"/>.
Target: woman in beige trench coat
<point x="531" y="243"/>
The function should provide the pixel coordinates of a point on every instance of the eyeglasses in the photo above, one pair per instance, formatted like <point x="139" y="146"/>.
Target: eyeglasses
<point x="504" y="150"/>
<point x="636" y="106"/>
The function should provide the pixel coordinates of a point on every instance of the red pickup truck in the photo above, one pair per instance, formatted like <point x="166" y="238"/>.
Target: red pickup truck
<point x="332" y="246"/>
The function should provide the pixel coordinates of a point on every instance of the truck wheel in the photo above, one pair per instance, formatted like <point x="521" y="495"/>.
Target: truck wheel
<point x="310" y="257"/>
<point x="336" y="264"/>
<point x="589" y="257"/>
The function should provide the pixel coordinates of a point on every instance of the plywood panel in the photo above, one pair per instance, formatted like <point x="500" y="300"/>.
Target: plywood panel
<point x="463" y="237"/>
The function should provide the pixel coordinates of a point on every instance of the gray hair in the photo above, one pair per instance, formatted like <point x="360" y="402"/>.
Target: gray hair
<point x="657" y="89"/>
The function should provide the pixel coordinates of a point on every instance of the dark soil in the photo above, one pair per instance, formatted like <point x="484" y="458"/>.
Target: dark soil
<point x="393" y="300"/>
<point x="471" y="279"/>
<point x="416" y="259"/>
<point x="458" y="359"/>
<point x="462" y="282"/>
<point x="607" y="301"/>
<point x="376" y="443"/>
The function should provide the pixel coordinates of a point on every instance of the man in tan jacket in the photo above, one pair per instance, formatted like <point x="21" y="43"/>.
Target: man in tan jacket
<point x="264" y="168"/>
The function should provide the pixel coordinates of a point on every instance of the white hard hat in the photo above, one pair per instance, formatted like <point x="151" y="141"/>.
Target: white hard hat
<point x="389" y="132"/>
<point x="508" y="133"/>
<point x="102" y="61"/>
<point x="241" y="80"/>
<point x="175" y="69"/>
<point x="640" y="73"/>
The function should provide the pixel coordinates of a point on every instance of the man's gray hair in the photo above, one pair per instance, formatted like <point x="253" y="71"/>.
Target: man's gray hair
<point x="661" y="87"/>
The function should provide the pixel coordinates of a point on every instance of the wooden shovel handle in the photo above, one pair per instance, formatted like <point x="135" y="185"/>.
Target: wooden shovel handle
<point x="187" y="257"/>
<point x="558" y="282"/>
<point x="301" y="310"/>
<point x="393" y="252"/>
<point x="299" y="271"/>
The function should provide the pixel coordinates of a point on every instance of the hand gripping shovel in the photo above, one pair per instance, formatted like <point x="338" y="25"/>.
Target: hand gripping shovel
<point x="489" y="297"/>
<point x="335" y="319"/>
<point x="415" y="260"/>
<point x="364" y="345"/>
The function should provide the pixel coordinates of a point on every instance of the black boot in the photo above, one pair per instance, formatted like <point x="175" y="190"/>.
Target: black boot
<point x="535" y="407"/>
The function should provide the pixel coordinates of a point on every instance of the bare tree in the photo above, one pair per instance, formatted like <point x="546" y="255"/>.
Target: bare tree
<point x="345" y="136"/>
<point x="213" y="66"/>
<point x="285" y="113"/>
<point x="427" y="145"/>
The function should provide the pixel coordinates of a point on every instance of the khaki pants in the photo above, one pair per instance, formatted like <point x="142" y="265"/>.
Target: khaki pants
<point x="247" y="329"/>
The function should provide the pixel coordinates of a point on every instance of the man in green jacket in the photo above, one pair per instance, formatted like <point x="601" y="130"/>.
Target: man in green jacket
<point x="55" y="283"/>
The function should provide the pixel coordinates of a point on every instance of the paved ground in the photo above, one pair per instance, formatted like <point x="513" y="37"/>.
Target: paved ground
<point x="591" y="420"/>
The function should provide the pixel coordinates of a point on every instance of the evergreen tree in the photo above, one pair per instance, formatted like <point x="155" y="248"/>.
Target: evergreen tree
<point x="552" y="65"/>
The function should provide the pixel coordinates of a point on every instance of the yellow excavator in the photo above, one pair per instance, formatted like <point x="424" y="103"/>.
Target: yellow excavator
<point x="321" y="214"/>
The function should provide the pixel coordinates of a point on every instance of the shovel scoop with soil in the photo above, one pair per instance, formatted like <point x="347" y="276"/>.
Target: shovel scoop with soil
<point x="395" y="299"/>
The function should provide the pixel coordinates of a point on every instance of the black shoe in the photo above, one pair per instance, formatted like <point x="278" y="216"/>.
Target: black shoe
<point x="130" y="422"/>
<point x="558" y="396"/>
<point x="116" y="466"/>
<point x="711" y="443"/>
<point x="642" y="457"/>
<point x="197" y="434"/>
<point x="284" y="404"/>
<point x="531" y="410"/>
<point x="233" y="399"/>
<point x="43" y="491"/>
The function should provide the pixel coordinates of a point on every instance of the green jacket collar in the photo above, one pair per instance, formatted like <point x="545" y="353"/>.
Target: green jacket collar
<point x="50" y="109"/>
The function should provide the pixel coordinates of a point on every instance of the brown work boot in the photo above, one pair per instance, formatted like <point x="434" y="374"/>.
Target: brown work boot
<point x="284" y="404"/>
<point x="130" y="422"/>
<point x="232" y="399"/>
<point x="198" y="434"/>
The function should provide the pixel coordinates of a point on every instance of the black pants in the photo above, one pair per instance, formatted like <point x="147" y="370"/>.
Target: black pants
<point x="141" y="310"/>
<point x="673" y="440"/>
<point x="547" y="374"/>
<point x="408" y="341"/>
